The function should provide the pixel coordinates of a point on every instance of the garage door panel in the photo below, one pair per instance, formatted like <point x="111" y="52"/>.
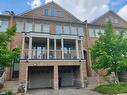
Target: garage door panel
<point x="40" y="79"/>
<point x="66" y="78"/>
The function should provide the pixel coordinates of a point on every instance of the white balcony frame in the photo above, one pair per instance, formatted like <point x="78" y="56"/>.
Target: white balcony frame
<point x="48" y="36"/>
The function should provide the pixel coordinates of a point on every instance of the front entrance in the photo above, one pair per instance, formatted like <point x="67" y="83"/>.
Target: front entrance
<point x="15" y="71"/>
<point x="40" y="77"/>
<point x="68" y="76"/>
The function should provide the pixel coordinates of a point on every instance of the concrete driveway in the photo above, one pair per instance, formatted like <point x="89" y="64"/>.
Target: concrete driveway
<point x="64" y="91"/>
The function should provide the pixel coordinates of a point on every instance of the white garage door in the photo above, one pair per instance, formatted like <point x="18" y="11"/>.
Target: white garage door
<point x="40" y="79"/>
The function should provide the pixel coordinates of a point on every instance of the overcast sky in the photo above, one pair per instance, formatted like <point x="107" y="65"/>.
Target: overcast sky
<point x="82" y="9"/>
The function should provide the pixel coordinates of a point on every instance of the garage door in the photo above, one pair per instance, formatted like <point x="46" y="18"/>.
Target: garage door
<point x="66" y="78"/>
<point x="40" y="79"/>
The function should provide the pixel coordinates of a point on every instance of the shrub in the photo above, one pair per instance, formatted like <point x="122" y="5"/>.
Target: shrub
<point x="112" y="88"/>
<point x="8" y="93"/>
<point x="21" y="90"/>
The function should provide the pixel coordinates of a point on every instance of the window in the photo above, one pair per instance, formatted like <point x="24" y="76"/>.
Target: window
<point x="37" y="27"/>
<point x="52" y="10"/>
<point x="58" y="29"/>
<point x="3" y="25"/>
<point x="28" y="27"/>
<point x="117" y="32"/>
<point x="46" y="28"/>
<point x="97" y="31"/>
<point x="115" y="20"/>
<point x="74" y="30"/>
<point x="66" y="30"/>
<point x="19" y="26"/>
<point x="91" y="32"/>
<point x="59" y="13"/>
<point x="80" y="31"/>
<point x="102" y="31"/>
<point x="46" y="12"/>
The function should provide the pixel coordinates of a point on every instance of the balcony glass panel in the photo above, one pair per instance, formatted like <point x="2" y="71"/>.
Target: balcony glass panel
<point x="69" y="49"/>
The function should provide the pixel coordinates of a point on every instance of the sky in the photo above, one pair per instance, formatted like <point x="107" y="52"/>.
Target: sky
<point x="82" y="9"/>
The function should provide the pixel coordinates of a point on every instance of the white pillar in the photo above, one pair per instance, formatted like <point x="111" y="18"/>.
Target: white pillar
<point x="82" y="49"/>
<point x="77" y="49"/>
<point x="62" y="47"/>
<point x="54" y="48"/>
<point x="23" y="46"/>
<point x="47" y="48"/>
<point x="30" y="48"/>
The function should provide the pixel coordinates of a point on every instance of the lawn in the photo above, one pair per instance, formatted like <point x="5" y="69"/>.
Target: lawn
<point x="112" y="88"/>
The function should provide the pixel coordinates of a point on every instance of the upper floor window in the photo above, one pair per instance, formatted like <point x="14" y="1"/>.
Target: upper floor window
<point x="59" y="13"/>
<point x="58" y="29"/>
<point x="37" y="27"/>
<point x="3" y="25"/>
<point x="115" y="20"/>
<point x="46" y="27"/>
<point x="19" y="26"/>
<point x="117" y="32"/>
<point x="46" y="12"/>
<point x="80" y="31"/>
<point x="28" y="26"/>
<point x="52" y="10"/>
<point x="102" y="31"/>
<point x="97" y="31"/>
<point x="91" y="32"/>
<point x="66" y="30"/>
<point x="74" y="30"/>
<point x="112" y="19"/>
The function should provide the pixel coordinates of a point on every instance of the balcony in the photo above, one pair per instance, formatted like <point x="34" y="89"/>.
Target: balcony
<point x="46" y="48"/>
<point x="53" y="54"/>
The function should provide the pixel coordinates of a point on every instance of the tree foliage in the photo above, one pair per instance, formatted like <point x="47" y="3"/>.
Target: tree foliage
<point x="7" y="55"/>
<point x="110" y="50"/>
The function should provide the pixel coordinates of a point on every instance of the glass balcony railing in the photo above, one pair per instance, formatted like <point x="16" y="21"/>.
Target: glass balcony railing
<point x="53" y="54"/>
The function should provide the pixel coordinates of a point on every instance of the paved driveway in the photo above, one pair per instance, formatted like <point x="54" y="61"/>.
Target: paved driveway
<point x="64" y="91"/>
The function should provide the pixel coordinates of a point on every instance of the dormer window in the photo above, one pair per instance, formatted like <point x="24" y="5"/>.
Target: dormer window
<point x="52" y="10"/>
<point x="46" y="12"/>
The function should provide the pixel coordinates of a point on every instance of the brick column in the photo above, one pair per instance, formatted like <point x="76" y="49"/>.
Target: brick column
<point x="23" y="75"/>
<point x="8" y="73"/>
<point x="55" y="81"/>
<point x="82" y="75"/>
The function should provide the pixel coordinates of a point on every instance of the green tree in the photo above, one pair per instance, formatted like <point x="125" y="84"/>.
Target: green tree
<point x="6" y="54"/>
<point x="110" y="51"/>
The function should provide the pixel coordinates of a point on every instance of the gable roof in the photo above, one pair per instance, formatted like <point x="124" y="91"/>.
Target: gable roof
<point x="102" y="20"/>
<point x="73" y="18"/>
